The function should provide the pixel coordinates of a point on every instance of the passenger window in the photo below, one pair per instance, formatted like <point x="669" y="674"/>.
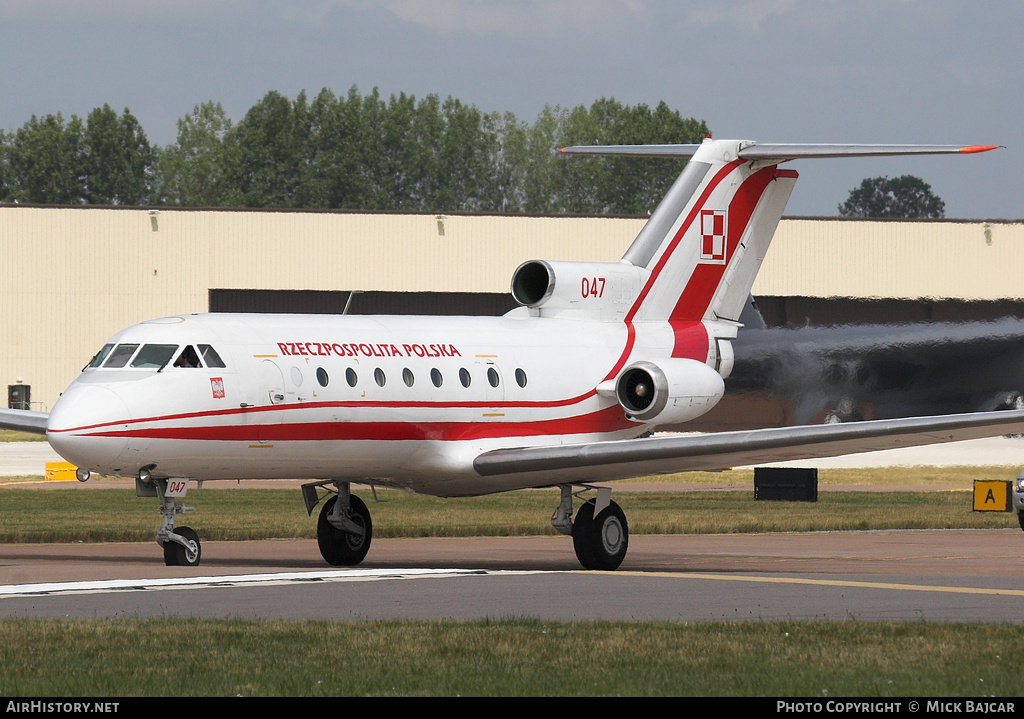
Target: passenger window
<point x="351" y="377"/>
<point x="464" y="377"/>
<point x="492" y="377"/>
<point x="436" y="378"/>
<point x="408" y="377"/>
<point x="154" y="356"/>
<point x="210" y="356"/>
<point x="378" y="377"/>
<point x="520" y="377"/>
<point x="120" y="356"/>
<point x="98" y="358"/>
<point x="321" y="376"/>
<point x="187" y="358"/>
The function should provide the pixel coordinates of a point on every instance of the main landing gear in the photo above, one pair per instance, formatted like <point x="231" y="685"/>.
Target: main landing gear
<point x="600" y="533"/>
<point x="344" y="529"/>
<point x="181" y="546"/>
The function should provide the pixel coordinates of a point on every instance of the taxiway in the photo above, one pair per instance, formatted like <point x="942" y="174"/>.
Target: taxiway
<point x="944" y="575"/>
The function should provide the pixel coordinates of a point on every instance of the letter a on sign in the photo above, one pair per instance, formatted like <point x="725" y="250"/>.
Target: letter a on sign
<point x="712" y="236"/>
<point x="992" y="496"/>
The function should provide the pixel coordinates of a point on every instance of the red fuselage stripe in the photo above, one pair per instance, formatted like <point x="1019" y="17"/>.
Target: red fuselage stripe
<point x="606" y="420"/>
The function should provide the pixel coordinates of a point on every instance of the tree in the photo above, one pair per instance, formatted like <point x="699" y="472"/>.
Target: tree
<point x="118" y="159"/>
<point x="5" y="144"/>
<point x="904" y="197"/>
<point x="352" y="152"/>
<point x="47" y="162"/>
<point x="332" y="176"/>
<point x="192" y="171"/>
<point x="267" y="150"/>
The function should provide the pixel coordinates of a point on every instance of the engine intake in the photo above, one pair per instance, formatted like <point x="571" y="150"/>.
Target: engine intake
<point x="585" y="290"/>
<point x="668" y="391"/>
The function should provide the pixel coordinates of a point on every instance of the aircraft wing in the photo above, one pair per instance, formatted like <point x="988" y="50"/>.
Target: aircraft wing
<point x="602" y="461"/>
<point x="23" y="420"/>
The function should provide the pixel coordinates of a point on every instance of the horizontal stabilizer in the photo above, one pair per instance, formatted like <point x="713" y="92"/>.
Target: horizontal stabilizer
<point x="779" y="152"/>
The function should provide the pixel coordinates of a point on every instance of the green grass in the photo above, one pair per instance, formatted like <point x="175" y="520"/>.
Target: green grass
<point x="117" y="515"/>
<point x="506" y="657"/>
<point x="11" y="435"/>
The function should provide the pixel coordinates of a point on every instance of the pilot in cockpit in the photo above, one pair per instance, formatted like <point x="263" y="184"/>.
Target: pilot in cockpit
<point x="187" y="358"/>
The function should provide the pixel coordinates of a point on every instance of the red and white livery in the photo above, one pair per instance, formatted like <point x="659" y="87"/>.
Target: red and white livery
<point x="560" y="392"/>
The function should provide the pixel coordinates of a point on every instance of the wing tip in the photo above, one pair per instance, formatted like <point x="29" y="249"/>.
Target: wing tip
<point x="970" y="149"/>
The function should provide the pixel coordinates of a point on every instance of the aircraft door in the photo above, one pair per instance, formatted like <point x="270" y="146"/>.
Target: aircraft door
<point x="271" y="385"/>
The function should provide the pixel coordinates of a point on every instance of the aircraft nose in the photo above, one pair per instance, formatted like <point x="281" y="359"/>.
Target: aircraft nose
<point x="88" y="427"/>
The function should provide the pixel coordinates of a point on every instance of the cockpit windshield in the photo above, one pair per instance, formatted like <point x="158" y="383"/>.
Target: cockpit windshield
<point x="97" y="360"/>
<point x="187" y="358"/>
<point x="210" y="356"/>
<point x="154" y="356"/>
<point x="120" y="356"/>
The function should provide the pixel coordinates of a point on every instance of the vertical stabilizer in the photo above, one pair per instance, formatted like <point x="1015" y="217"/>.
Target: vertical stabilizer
<point x="704" y="244"/>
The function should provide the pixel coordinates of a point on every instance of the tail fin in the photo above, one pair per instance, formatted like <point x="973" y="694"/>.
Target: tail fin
<point x="704" y="244"/>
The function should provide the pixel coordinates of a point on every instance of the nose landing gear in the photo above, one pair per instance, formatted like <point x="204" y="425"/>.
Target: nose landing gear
<point x="181" y="546"/>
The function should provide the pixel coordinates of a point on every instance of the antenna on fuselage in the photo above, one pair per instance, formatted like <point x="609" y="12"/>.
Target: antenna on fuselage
<point x="348" y="302"/>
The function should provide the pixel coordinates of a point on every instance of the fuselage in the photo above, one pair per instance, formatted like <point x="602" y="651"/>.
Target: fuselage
<point x="402" y="401"/>
<point x="598" y="351"/>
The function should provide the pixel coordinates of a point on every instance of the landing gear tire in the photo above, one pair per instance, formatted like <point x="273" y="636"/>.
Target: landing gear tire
<point x="600" y="542"/>
<point x="176" y="555"/>
<point x="338" y="548"/>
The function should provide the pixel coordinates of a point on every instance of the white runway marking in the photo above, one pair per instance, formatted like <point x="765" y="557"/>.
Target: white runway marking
<point x="131" y="585"/>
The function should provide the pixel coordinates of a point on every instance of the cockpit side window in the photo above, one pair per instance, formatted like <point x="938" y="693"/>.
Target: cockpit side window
<point x="97" y="360"/>
<point x="188" y="358"/>
<point x="154" y="356"/>
<point x="120" y="356"/>
<point x="210" y="356"/>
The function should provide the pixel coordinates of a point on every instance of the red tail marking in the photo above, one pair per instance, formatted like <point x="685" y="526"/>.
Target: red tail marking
<point x="631" y="332"/>
<point x="691" y="340"/>
<point x="695" y="298"/>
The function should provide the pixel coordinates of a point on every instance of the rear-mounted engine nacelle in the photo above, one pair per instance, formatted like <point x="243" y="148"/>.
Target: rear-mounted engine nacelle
<point x="667" y="391"/>
<point x="595" y="290"/>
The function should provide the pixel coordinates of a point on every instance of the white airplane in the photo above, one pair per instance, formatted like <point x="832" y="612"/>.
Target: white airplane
<point x="559" y="392"/>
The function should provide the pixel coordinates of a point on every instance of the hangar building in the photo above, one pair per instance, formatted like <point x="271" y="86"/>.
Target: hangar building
<point x="73" y="276"/>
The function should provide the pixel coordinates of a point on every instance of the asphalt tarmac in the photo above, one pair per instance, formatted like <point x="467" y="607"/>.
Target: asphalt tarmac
<point x="946" y="575"/>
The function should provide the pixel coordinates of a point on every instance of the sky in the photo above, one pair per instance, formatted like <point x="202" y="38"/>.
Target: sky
<point x="871" y="71"/>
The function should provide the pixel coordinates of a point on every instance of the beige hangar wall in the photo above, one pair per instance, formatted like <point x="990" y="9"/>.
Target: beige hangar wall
<point x="74" y="276"/>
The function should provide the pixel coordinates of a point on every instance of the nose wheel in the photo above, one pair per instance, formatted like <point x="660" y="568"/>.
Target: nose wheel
<point x="182" y="549"/>
<point x="181" y="545"/>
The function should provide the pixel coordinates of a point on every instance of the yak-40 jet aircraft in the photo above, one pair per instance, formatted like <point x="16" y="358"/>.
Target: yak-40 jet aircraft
<point x="560" y="392"/>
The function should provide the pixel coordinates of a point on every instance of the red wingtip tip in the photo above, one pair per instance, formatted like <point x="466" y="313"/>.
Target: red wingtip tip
<point x="978" y="148"/>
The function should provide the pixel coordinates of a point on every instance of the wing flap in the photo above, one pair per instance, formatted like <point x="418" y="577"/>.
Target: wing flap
<point x="602" y="461"/>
